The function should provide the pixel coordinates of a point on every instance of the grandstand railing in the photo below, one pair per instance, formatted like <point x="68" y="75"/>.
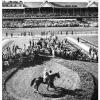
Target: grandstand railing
<point x="88" y="43"/>
<point x="53" y="17"/>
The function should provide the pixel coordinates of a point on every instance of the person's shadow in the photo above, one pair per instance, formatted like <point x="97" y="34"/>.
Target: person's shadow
<point x="61" y="92"/>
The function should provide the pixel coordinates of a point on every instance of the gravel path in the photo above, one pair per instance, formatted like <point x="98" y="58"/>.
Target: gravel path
<point x="86" y="82"/>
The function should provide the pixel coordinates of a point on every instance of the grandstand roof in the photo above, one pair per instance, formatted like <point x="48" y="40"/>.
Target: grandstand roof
<point x="32" y="4"/>
<point x="92" y="4"/>
<point x="55" y="4"/>
<point x="49" y="4"/>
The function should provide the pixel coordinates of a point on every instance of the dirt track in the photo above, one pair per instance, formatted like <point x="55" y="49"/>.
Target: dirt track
<point x="86" y="89"/>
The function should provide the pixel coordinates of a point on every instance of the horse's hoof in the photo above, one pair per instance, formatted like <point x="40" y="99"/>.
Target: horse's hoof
<point x="36" y="91"/>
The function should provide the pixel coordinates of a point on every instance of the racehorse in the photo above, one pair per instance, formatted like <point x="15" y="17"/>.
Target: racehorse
<point x="49" y="81"/>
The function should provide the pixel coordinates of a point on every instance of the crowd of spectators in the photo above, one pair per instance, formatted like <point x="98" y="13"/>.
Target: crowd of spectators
<point x="51" y="23"/>
<point x="24" y="14"/>
<point x="46" y="23"/>
<point x="37" y="12"/>
<point x="51" y="46"/>
<point x="12" y="4"/>
<point x="91" y="21"/>
<point x="12" y="24"/>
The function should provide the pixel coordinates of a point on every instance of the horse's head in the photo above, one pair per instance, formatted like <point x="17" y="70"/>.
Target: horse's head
<point x="53" y="76"/>
<point x="58" y="75"/>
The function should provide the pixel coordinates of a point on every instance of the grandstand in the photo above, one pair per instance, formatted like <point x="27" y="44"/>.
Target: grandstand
<point x="15" y="14"/>
<point x="13" y="9"/>
<point x="24" y="14"/>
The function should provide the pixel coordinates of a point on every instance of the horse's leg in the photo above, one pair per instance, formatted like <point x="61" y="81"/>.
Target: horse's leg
<point x="52" y="85"/>
<point x="48" y="87"/>
<point x="37" y="87"/>
<point x="32" y="82"/>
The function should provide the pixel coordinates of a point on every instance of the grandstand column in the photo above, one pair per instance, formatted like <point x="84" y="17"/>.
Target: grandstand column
<point x="80" y="11"/>
<point x="32" y="12"/>
<point x="24" y="12"/>
<point x="53" y="11"/>
<point x="60" y="12"/>
<point x="86" y="12"/>
<point x="39" y="10"/>
<point x="67" y="11"/>
<point x="17" y="11"/>
<point x="73" y="11"/>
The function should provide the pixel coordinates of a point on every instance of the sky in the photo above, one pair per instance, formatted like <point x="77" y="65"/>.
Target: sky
<point x="52" y="0"/>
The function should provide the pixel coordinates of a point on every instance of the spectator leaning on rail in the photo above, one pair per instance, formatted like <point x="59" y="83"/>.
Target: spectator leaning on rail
<point x="90" y="50"/>
<point x="78" y="39"/>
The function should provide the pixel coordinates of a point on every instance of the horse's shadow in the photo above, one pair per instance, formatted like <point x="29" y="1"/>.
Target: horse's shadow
<point x="61" y="92"/>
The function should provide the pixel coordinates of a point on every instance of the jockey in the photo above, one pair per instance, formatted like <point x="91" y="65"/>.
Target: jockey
<point x="50" y="72"/>
<point x="45" y="74"/>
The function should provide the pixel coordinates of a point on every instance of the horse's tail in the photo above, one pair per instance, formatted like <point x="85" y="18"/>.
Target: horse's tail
<point x="32" y="82"/>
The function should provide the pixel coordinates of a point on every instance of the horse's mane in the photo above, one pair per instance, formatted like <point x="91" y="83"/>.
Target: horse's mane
<point x="54" y="74"/>
<point x="40" y="77"/>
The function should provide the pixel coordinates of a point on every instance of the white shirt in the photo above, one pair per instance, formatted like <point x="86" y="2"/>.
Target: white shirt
<point x="44" y="73"/>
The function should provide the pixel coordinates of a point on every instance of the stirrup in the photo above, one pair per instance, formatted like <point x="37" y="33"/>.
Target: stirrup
<point x="36" y="91"/>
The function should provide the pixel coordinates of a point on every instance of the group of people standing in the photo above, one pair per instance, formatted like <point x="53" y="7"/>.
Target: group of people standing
<point x="93" y="52"/>
<point x="50" y="46"/>
<point x="46" y="46"/>
<point x="14" y="53"/>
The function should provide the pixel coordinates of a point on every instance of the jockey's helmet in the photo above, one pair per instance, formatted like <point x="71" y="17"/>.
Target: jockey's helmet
<point x="50" y="71"/>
